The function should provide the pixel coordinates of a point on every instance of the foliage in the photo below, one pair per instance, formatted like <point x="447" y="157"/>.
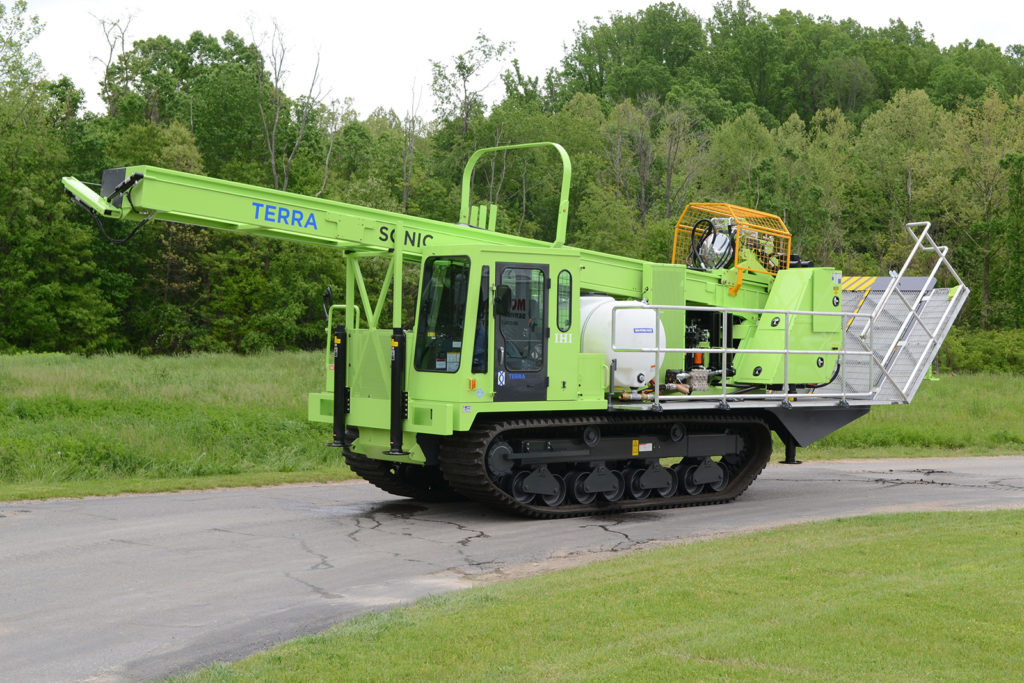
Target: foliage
<point x="50" y="294"/>
<point x="1000" y="351"/>
<point x="846" y="131"/>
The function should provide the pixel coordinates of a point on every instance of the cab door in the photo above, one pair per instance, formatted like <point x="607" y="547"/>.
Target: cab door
<point x="521" y="331"/>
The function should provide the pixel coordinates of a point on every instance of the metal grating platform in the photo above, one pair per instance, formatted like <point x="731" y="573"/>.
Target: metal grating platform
<point x="904" y="333"/>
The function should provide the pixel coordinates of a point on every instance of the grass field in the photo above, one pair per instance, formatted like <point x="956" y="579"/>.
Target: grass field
<point x="955" y="415"/>
<point x="71" y="425"/>
<point x="916" y="597"/>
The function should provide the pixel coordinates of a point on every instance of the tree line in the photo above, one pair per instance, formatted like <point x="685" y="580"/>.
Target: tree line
<point x="845" y="131"/>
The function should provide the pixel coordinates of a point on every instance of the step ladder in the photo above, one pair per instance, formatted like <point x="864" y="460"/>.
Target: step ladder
<point x="902" y="320"/>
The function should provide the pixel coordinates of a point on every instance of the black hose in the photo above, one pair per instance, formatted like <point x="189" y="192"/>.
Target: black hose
<point x="835" y="374"/>
<point x="694" y="260"/>
<point x="103" y="230"/>
<point x="724" y="258"/>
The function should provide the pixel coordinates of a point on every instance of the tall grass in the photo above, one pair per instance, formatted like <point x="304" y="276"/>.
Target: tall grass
<point x="977" y="414"/>
<point x="68" y="418"/>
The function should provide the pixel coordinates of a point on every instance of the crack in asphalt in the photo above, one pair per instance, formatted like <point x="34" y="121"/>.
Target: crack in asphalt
<point x="473" y="534"/>
<point x="466" y="566"/>
<point x="607" y="527"/>
<point x="360" y="528"/>
<point x="473" y="568"/>
<point x="893" y="482"/>
<point x="324" y="563"/>
<point x="815" y="480"/>
<point x="412" y="515"/>
<point x="128" y="542"/>
<point x="238" y="533"/>
<point x="890" y="481"/>
<point x="319" y="590"/>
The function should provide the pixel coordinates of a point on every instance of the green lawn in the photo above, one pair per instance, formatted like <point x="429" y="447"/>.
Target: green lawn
<point x="73" y="425"/>
<point x="914" y="597"/>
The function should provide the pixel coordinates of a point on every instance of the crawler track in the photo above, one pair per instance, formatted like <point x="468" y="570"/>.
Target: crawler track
<point x="463" y="459"/>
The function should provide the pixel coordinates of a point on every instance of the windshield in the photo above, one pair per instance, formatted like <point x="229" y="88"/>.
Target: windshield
<point x="442" y="315"/>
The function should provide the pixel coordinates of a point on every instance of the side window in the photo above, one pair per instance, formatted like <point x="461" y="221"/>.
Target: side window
<point x="564" y="313"/>
<point x="522" y="324"/>
<point x="442" y="314"/>
<point x="483" y="319"/>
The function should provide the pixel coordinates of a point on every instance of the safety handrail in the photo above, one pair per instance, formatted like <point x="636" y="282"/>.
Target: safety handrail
<point x="923" y="242"/>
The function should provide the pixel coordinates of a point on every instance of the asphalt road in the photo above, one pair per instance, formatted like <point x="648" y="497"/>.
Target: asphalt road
<point x="143" y="586"/>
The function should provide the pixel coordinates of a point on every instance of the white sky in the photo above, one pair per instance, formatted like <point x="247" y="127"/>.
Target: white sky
<point x="379" y="52"/>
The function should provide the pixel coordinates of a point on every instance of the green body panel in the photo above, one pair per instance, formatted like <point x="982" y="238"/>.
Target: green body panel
<point x="666" y="285"/>
<point x="369" y="364"/>
<point x="805" y="289"/>
<point x="376" y="443"/>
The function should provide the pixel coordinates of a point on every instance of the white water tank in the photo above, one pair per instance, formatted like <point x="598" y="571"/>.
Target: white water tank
<point x="634" y="329"/>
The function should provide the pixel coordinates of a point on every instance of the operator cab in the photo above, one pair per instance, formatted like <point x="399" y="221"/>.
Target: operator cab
<point x="498" y="325"/>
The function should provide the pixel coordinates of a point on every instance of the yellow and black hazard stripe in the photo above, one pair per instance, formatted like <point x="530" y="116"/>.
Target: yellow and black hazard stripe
<point x="857" y="283"/>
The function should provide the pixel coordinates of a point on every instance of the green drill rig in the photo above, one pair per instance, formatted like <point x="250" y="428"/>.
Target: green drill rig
<point x="552" y="381"/>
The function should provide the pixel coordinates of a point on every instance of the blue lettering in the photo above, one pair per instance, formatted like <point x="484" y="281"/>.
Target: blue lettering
<point x="285" y="216"/>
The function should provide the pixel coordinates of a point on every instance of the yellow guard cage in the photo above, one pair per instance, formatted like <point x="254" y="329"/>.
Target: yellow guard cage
<point x="761" y="240"/>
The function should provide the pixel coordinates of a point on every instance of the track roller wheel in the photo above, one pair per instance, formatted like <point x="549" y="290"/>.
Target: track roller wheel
<point x="555" y="499"/>
<point x="615" y="494"/>
<point x="722" y="482"/>
<point x="633" y="485"/>
<point x="669" y="489"/>
<point x="540" y="466"/>
<point x="574" y="484"/>
<point x="517" y="490"/>
<point x="684" y="471"/>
